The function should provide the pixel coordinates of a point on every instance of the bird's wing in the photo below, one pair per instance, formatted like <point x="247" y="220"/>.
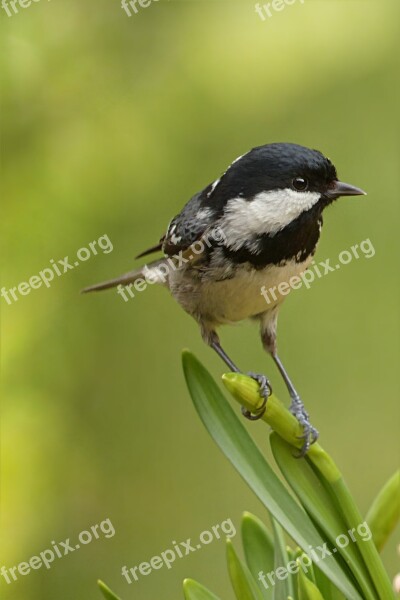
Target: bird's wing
<point x="202" y="211"/>
<point x="184" y="229"/>
<point x="190" y="225"/>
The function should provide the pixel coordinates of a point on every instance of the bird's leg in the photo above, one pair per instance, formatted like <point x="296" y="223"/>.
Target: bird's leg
<point x="215" y="345"/>
<point x="265" y="387"/>
<point x="297" y="408"/>
<point x="268" y="336"/>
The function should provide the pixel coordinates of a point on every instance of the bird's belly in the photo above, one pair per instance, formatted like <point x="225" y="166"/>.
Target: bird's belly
<point x="249" y="293"/>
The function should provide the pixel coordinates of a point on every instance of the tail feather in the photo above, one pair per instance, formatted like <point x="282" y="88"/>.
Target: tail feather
<point x="124" y="279"/>
<point x="155" y="248"/>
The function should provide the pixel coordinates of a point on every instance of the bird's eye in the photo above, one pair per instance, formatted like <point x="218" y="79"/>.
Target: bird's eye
<point x="300" y="184"/>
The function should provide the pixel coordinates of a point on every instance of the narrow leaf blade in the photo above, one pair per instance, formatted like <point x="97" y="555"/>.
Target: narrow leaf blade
<point x="384" y="513"/>
<point x="307" y="590"/>
<point x="193" y="590"/>
<point x="326" y="587"/>
<point x="107" y="593"/>
<point x="242" y="581"/>
<point x="283" y="582"/>
<point x="258" y="550"/>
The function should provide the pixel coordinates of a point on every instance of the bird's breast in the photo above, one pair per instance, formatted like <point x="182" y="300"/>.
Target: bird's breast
<point x="241" y="296"/>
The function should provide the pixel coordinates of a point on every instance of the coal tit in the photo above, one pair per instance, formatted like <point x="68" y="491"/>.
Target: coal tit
<point x="257" y="226"/>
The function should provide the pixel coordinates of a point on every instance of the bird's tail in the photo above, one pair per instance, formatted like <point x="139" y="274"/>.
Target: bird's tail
<point x="152" y="269"/>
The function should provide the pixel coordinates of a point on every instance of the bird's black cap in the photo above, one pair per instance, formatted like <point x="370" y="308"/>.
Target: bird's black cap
<point x="276" y="166"/>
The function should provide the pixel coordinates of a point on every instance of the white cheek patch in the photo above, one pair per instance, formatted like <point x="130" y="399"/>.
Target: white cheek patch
<point x="268" y="212"/>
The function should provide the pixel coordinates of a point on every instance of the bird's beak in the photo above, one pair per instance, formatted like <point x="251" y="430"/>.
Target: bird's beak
<point x="339" y="188"/>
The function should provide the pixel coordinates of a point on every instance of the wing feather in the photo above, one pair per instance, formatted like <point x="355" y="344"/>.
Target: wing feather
<point x="189" y="226"/>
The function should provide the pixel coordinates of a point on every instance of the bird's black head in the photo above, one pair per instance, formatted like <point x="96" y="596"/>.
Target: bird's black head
<point x="295" y="173"/>
<point x="290" y="166"/>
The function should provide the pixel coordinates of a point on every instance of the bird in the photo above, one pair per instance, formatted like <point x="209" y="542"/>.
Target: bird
<point x="253" y="228"/>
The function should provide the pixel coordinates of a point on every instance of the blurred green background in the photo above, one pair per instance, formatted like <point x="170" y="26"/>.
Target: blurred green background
<point x="110" y="124"/>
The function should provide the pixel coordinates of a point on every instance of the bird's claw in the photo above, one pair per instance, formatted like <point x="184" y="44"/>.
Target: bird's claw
<point x="265" y="391"/>
<point x="310" y="434"/>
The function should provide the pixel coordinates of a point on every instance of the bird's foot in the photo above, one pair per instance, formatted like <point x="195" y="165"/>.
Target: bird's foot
<point x="310" y="434"/>
<point x="265" y="392"/>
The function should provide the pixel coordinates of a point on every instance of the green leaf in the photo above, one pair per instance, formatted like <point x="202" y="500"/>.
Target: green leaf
<point x="307" y="590"/>
<point x="258" y="550"/>
<point x="231" y="436"/>
<point x="322" y="509"/>
<point x="243" y="584"/>
<point x="283" y="580"/>
<point x="368" y="551"/>
<point x="326" y="587"/>
<point x="195" y="591"/>
<point x="384" y="513"/>
<point x="107" y="593"/>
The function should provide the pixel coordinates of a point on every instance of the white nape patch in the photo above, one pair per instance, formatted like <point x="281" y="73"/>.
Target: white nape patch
<point x="237" y="159"/>
<point x="214" y="185"/>
<point x="268" y="212"/>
